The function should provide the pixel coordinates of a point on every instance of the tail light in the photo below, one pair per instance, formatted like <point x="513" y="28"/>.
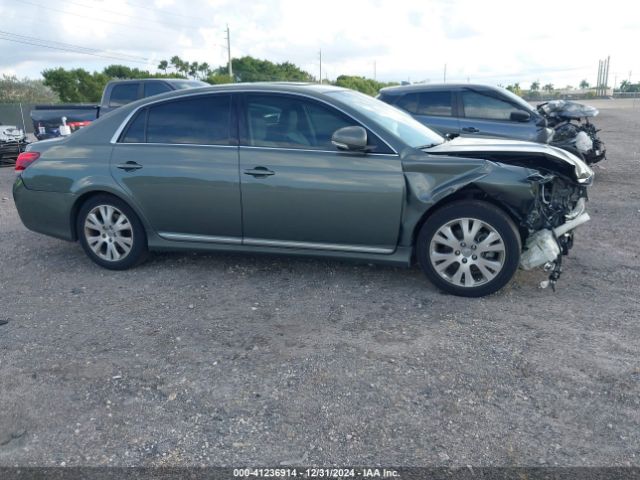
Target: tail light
<point x="77" y="125"/>
<point x="25" y="159"/>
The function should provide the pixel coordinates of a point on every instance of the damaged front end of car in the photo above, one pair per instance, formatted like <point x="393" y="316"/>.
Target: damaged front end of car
<point x="543" y="188"/>
<point x="559" y="207"/>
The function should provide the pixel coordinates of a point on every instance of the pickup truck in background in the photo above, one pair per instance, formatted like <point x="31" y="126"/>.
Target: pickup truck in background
<point x="49" y="121"/>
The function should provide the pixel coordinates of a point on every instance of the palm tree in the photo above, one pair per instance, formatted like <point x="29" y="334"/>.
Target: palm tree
<point x="515" y="88"/>
<point x="193" y="69"/>
<point x="204" y="70"/>
<point x="584" y="84"/>
<point x="163" y="65"/>
<point x="176" y="63"/>
<point x="535" y="86"/>
<point x="548" y="87"/>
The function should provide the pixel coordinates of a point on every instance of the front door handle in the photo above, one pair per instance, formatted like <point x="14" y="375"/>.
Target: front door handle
<point x="129" y="166"/>
<point x="259" y="172"/>
<point x="470" y="129"/>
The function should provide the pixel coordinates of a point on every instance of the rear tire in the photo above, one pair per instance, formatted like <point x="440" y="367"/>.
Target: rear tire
<point x="110" y="233"/>
<point x="469" y="248"/>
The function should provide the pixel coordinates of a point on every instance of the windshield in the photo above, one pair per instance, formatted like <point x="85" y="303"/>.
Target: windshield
<point x="394" y="121"/>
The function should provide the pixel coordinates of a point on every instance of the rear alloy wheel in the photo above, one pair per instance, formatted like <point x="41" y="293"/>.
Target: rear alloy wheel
<point x="110" y="233"/>
<point x="469" y="248"/>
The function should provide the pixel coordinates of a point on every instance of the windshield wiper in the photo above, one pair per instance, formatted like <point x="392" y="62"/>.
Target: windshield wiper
<point x="423" y="147"/>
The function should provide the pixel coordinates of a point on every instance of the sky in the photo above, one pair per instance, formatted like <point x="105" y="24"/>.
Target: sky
<point x="493" y="42"/>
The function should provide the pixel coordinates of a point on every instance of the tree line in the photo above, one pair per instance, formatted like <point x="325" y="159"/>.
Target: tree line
<point x="81" y="86"/>
<point x="16" y="90"/>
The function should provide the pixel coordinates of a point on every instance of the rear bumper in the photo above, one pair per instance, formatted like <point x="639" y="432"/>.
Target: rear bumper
<point x="45" y="212"/>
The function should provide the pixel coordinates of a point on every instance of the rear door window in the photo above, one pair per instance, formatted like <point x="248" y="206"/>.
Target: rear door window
<point x="201" y="120"/>
<point x="123" y="93"/>
<point x="197" y="120"/>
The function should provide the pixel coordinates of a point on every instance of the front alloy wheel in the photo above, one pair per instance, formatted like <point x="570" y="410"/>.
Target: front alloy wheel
<point x="467" y="252"/>
<point x="469" y="248"/>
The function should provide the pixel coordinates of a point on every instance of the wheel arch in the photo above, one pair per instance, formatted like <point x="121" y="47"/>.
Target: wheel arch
<point x="87" y="195"/>
<point x="468" y="192"/>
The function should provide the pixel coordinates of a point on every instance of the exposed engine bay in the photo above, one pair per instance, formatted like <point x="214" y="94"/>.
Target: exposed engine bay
<point x="559" y="207"/>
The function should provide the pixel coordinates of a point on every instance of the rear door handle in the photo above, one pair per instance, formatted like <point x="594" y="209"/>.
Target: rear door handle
<point x="259" y="172"/>
<point x="470" y="130"/>
<point x="129" y="166"/>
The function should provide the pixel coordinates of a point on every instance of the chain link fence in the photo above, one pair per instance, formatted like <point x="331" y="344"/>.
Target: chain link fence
<point x="17" y="114"/>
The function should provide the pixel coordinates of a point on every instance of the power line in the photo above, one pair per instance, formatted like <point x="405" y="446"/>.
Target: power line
<point x="135" y="17"/>
<point x="71" y="46"/>
<point x="66" y="12"/>
<point x="173" y="14"/>
<point x="10" y="37"/>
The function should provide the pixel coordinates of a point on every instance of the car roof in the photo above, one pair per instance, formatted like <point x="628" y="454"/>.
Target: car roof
<point x="276" y="86"/>
<point x="430" y="87"/>
<point x="272" y="87"/>
<point x="154" y="79"/>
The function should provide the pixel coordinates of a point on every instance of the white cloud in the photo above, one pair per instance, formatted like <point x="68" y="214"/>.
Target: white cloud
<point x="489" y="41"/>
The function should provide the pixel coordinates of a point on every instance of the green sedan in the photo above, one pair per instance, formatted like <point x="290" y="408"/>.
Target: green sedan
<point x="305" y="170"/>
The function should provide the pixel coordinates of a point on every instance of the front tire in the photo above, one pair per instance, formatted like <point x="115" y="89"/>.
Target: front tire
<point x="469" y="248"/>
<point x="110" y="233"/>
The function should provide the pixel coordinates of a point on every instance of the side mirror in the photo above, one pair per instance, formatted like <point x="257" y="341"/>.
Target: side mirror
<point x="520" y="116"/>
<point x="353" y="139"/>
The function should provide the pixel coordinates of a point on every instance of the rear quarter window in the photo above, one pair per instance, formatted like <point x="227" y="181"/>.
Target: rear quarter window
<point x="135" y="133"/>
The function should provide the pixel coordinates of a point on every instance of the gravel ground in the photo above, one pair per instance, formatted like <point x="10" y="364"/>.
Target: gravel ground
<point x="258" y="360"/>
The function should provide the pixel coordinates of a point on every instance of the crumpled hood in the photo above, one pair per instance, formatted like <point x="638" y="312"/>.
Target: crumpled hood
<point x="469" y="145"/>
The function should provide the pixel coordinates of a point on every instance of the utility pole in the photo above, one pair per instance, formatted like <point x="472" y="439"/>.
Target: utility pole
<point x="374" y="70"/>
<point x="599" y="77"/>
<point x="606" y="77"/>
<point x="229" y="52"/>
<point x="320" y="56"/>
<point x="445" y="73"/>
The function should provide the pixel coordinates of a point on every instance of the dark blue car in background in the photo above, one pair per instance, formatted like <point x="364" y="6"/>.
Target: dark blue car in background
<point x="470" y="110"/>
